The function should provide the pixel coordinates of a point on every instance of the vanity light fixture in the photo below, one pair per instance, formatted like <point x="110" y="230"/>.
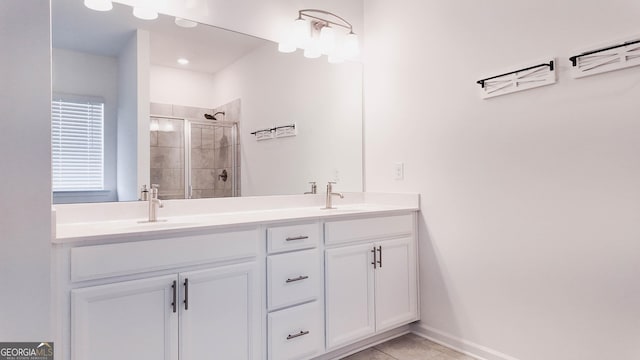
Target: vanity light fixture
<point x="314" y="31"/>
<point x="99" y="5"/>
<point x="183" y="61"/>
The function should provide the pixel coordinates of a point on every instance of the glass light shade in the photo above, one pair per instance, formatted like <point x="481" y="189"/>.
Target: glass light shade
<point x="286" y="46"/>
<point x="99" y="5"/>
<point x="145" y="11"/>
<point x="351" y="47"/>
<point x="154" y="126"/>
<point x="327" y="40"/>
<point x="301" y="33"/>
<point x="335" y="59"/>
<point x="313" y="50"/>
<point x="185" y="23"/>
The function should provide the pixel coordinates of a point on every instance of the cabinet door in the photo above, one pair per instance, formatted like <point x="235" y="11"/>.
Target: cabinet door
<point x="396" y="284"/>
<point x="127" y="320"/>
<point x="220" y="314"/>
<point x="349" y="294"/>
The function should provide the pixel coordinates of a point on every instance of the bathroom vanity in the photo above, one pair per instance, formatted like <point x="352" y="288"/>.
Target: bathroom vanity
<point x="283" y="281"/>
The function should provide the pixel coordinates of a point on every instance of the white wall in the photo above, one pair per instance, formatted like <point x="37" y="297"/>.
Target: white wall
<point x="180" y="87"/>
<point x="25" y="183"/>
<point x="133" y="117"/>
<point x="76" y="73"/>
<point x="323" y="100"/>
<point x="530" y="201"/>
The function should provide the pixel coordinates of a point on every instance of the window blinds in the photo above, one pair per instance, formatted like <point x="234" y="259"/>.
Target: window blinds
<point x="77" y="145"/>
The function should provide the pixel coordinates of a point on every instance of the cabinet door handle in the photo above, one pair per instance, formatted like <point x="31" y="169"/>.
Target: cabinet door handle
<point x="301" y="277"/>
<point x="301" y="333"/>
<point x="374" y="262"/>
<point x="186" y="294"/>
<point x="174" y="287"/>
<point x="294" y="238"/>
<point x="380" y="257"/>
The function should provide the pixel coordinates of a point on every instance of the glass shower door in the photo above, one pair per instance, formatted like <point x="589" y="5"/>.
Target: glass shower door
<point x="167" y="157"/>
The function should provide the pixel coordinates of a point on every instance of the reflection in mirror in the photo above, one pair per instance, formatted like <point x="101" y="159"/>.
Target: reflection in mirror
<point x="188" y="125"/>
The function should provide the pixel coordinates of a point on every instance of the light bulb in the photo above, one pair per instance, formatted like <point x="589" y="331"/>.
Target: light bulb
<point x="327" y="40"/>
<point x="313" y="50"/>
<point x="183" y="61"/>
<point x="301" y="33"/>
<point x="286" y="46"/>
<point x="351" y="47"/>
<point x="185" y="23"/>
<point x="145" y="10"/>
<point x="99" y="5"/>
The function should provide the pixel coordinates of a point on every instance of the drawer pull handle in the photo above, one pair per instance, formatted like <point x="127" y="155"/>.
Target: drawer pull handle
<point x="294" y="238"/>
<point x="301" y="333"/>
<point x="302" y="277"/>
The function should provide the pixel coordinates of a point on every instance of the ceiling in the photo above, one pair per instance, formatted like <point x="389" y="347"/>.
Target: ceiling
<point x="209" y="49"/>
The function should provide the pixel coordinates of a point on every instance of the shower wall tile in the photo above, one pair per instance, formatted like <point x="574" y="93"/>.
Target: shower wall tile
<point x="202" y="158"/>
<point x="190" y="112"/>
<point x="173" y="138"/>
<point x="223" y="157"/>
<point x="196" y="136"/>
<point x="154" y="138"/>
<point x="161" y="109"/>
<point x="170" y="181"/>
<point x="202" y="179"/>
<point x="171" y="158"/>
<point x="208" y="138"/>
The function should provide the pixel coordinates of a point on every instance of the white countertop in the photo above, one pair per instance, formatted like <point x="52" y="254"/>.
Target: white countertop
<point x="126" y="221"/>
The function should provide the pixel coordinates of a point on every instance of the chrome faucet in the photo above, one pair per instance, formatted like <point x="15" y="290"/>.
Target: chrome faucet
<point x="154" y="203"/>
<point x="330" y="194"/>
<point x="314" y="188"/>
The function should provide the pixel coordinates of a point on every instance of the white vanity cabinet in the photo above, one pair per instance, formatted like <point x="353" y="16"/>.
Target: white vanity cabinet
<point x="131" y="319"/>
<point x="211" y="310"/>
<point x="371" y="277"/>
<point x="294" y="292"/>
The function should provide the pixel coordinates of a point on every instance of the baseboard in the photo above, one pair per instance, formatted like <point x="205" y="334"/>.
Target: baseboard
<point x="466" y="347"/>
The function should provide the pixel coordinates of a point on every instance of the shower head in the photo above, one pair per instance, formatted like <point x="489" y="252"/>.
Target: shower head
<point x="213" y="117"/>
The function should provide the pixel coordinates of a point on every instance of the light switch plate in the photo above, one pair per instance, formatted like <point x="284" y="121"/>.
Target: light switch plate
<point x="398" y="171"/>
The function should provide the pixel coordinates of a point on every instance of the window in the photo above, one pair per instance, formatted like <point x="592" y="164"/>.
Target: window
<point x="77" y="144"/>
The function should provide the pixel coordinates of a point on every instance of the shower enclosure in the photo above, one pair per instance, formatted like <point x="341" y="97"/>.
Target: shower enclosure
<point x="193" y="159"/>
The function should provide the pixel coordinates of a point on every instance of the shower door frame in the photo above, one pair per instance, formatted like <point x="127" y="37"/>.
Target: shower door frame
<point x="188" y="188"/>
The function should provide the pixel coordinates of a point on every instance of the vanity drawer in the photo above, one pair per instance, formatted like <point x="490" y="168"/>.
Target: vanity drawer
<point x="343" y="231"/>
<point x="296" y="333"/>
<point x="103" y="261"/>
<point x="292" y="237"/>
<point x="292" y="278"/>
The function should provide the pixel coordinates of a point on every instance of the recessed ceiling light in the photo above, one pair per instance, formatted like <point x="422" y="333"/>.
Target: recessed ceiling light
<point x="183" y="61"/>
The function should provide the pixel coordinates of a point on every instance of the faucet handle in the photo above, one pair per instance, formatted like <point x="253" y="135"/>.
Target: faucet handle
<point x="155" y="186"/>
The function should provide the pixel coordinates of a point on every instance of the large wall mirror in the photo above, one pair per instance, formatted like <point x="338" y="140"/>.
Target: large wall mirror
<point x="124" y="105"/>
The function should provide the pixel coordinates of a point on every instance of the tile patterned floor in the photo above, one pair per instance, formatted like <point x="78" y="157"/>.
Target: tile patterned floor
<point x="408" y="347"/>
